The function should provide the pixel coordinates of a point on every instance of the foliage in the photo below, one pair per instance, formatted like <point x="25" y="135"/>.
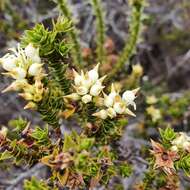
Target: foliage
<point x="35" y="184"/>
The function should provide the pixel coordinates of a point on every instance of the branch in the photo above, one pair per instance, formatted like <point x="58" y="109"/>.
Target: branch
<point x="76" y="54"/>
<point x="100" y="27"/>
<point x="134" y="34"/>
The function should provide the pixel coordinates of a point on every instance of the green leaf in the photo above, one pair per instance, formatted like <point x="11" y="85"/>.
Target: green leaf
<point x="69" y="143"/>
<point x="125" y="170"/>
<point x="35" y="184"/>
<point x="5" y="155"/>
<point x="41" y="135"/>
<point x="168" y="134"/>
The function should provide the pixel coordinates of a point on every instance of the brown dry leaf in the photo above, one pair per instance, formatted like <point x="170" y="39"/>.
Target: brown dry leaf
<point x="63" y="178"/>
<point x="94" y="181"/>
<point x="45" y="160"/>
<point x="164" y="159"/>
<point x="68" y="112"/>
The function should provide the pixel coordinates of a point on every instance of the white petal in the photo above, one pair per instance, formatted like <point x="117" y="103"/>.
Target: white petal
<point x="96" y="89"/>
<point x="81" y="90"/>
<point x="108" y="101"/>
<point x="86" y="98"/>
<point x="129" y="97"/>
<point x="8" y="63"/>
<point x="119" y="107"/>
<point x="31" y="51"/>
<point x="34" y="69"/>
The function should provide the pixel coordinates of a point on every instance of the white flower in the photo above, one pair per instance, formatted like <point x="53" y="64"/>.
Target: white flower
<point x="182" y="141"/>
<point x="8" y="63"/>
<point x="108" y="100"/>
<point x="97" y="87"/>
<point x="174" y="148"/>
<point x="73" y="96"/>
<point x="86" y="98"/>
<point x="34" y="69"/>
<point x="111" y="113"/>
<point x="129" y="97"/>
<point x="102" y="114"/>
<point x="93" y="74"/>
<point x="18" y="73"/>
<point x="32" y="53"/>
<point x="186" y="145"/>
<point x="81" y="90"/>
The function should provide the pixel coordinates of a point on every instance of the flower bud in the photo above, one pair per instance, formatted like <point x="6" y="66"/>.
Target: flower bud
<point x="101" y="114"/>
<point x="3" y="132"/>
<point x="17" y="85"/>
<point x="96" y="89"/>
<point x="34" y="69"/>
<point x="38" y="84"/>
<point x="73" y="96"/>
<point x="78" y="79"/>
<point x="93" y="74"/>
<point x="111" y="113"/>
<point x="26" y="96"/>
<point x="99" y="101"/>
<point x="8" y="63"/>
<point x="86" y="98"/>
<point x="30" y="105"/>
<point x="137" y="69"/>
<point x="119" y="107"/>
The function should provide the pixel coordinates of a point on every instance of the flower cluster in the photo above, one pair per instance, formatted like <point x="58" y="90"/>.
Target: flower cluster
<point x="25" y="67"/>
<point x="117" y="105"/>
<point x="181" y="142"/>
<point x="88" y="86"/>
